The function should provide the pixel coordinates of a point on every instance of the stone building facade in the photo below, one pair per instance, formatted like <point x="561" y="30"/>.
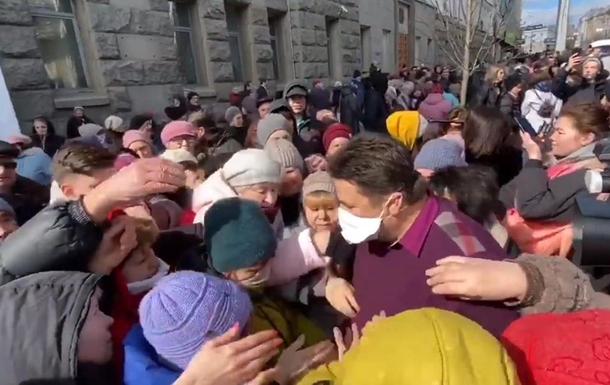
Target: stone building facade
<point x="129" y="56"/>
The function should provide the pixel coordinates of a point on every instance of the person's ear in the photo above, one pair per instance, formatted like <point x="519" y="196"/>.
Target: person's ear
<point x="68" y="192"/>
<point x="395" y="203"/>
<point x="588" y="139"/>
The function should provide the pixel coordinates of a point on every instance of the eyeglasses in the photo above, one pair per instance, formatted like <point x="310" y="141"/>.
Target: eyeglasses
<point x="188" y="140"/>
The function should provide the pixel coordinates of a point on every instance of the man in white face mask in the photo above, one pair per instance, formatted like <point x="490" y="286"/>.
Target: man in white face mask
<point x="401" y="232"/>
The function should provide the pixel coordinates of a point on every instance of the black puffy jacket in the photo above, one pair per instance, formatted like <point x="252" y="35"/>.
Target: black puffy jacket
<point x="61" y="237"/>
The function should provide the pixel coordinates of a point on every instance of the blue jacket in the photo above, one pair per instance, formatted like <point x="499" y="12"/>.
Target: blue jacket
<point x="451" y="99"/>
<point x="34" y="164"/>
<point x="142" y="364"/>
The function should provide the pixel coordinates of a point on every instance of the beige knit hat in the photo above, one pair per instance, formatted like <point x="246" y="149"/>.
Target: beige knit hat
<point x="284" y="152"/>
<point x="318" y="181"/>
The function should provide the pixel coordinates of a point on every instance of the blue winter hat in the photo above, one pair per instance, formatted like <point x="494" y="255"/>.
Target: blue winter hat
<point x="237" y="234"/>
<point x="440" y="153"/>
<point x="186" y="309"/>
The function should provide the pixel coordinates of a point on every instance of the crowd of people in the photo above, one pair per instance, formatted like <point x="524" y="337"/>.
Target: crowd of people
<point x="378" y="231"/>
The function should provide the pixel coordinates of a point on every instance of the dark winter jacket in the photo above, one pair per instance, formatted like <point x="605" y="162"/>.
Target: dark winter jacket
<point x="584" y="92"/>
<point x="42" y="316"/>
<point x="510" y="106"/>
<point x="50" y="144"/>
<point x="488" y="95"/>
<point x="506" y="163"/>
<point x="350" y="113"/>
<point x="61" y="237"/>
<point x="375" y="112"/>
<point x="73" y="124"/>
<point x="27" y="198"/>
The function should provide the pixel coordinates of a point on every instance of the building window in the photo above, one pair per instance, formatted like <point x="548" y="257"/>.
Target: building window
<point x="277" y="44"/>
<point x="233" y="16"/>
<point x="180" y="14"/>
<point x="401" y="15"/>
<point x="58" y="38"/>
<point x="332" y="45"/>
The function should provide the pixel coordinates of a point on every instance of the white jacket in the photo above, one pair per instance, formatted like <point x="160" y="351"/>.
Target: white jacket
<point x="532" y="101"/>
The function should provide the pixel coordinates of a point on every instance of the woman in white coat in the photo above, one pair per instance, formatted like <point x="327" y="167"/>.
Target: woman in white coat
<point x="540" y="107"/>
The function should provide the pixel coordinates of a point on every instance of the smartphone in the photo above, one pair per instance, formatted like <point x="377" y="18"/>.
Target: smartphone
<point x="525" y="126"/>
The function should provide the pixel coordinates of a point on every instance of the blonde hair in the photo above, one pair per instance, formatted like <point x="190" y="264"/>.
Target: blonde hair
<point x="318" y="199"/>
<point x="492" y="73"/>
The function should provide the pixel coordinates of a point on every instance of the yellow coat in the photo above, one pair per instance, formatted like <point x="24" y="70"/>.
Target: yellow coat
<point x="421" y="347"/>
<point x="273" y="313"/>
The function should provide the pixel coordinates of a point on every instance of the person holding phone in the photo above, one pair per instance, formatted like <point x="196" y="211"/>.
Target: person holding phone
<point x="593" y="80"/>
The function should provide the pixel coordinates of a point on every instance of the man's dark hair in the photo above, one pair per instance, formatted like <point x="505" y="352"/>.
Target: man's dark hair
<point x="82" y="159"/>
<point x="474" y="189"/>
<point x="379" y="166"/>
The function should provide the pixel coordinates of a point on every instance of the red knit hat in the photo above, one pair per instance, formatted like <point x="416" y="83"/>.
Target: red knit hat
<point x="561" y="349"/>
<point x="334" y="131"/>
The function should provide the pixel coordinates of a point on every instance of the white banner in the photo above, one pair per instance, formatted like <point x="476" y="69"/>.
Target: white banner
<point x="8" y="119"/>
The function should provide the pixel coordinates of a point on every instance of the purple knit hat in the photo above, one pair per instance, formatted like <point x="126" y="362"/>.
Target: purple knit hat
<point x="175" y="129"/>
<point x="186" y="309"/>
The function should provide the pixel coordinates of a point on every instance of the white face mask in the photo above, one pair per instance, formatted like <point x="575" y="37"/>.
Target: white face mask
<point x="259" y="279"/>
<point x="356" y="229"/>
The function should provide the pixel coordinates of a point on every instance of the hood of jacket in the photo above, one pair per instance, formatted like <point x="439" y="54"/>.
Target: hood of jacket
<point x="32" y="151"/>
<point x="544" y="86"/>
<point x="211" y="190"/>
<point x="42" y="316"/>
<point x="442" y="356"/>
<point x="434" y="99"/>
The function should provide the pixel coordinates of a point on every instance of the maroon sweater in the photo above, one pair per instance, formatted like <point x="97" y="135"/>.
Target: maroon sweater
<point x="392" y="278"/>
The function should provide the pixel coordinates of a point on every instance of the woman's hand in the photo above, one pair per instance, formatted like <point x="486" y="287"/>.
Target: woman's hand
<point x="341" y="296"/>
<point x="294" y="362"/>
<point x="227" y="360"/>
<point x="478" y="279"/>
<point x="531" y="147"/>
<point x="354" y="336"/>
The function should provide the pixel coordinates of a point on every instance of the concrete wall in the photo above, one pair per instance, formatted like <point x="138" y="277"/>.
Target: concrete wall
<point x="425" y="38"/>
<point x="379" y="16"/>
<point x="132" y="62"/>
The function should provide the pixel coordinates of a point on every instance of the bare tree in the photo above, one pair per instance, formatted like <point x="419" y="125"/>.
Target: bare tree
<point x="467" y="32"/>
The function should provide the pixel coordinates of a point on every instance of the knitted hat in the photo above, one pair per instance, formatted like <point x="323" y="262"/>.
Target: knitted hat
<point x="79" y="108"/>
<point x="5" y="207"/>
<point x="318" y="181"/>
<point x="114" y="123"/>
<point x="89" y="129"/>
<point x="406" y="127"/>
<point x="286" y="153"/>
<point x="178" y="156"/>
<point x="270" y="124"/>
<point x="238" y="234"/>
<point x="231" y="113"/>
<point x="19" y="139"/>
<point x="261" y="101"/>
<point x="440" y="153"/>
<point x="334" y="131"/>
<point x="186" y="309"/>
<point x="175" y="129"/>
<point x="132" y="136"/>
<point x="251" y="166"/>
<point x="561" y="349"/>
<point x="123" y="160"/>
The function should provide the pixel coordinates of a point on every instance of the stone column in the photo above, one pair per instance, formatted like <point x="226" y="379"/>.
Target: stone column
<point x="258" y="41"/>
<point x="211" y="14"/>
